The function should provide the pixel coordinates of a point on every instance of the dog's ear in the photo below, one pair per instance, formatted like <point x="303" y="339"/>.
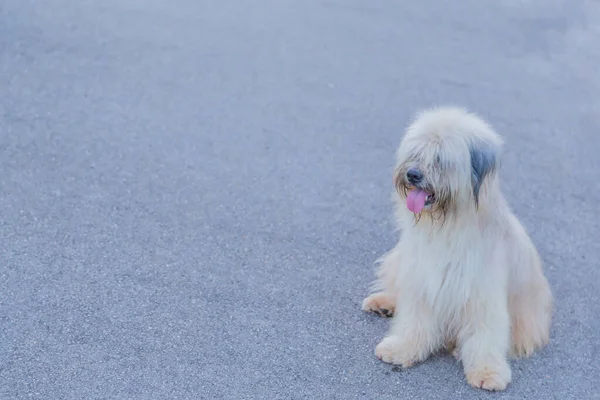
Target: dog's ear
<point x="484" y="155"/>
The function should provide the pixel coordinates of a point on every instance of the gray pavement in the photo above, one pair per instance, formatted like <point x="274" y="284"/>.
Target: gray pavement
<point x="193" y="193"/>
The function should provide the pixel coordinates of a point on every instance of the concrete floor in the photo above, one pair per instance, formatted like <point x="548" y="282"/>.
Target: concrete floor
<point x="193" y="193"/>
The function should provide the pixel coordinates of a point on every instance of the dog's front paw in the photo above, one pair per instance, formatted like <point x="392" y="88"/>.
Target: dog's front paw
<point x="390" y="350"/>
<point x="380" y="303"/>
<point x="490" y="378"/>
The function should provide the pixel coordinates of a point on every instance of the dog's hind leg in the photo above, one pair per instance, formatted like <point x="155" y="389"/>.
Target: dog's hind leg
<point x="383" y="301"/>
<point x="529" y="299"/>
<point x="530" y="310"/>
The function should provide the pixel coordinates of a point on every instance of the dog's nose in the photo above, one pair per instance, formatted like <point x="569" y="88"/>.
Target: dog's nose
<point x="414" y="176"/>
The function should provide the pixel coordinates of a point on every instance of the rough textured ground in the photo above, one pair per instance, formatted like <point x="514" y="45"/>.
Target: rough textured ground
<point x="193" y="193"/>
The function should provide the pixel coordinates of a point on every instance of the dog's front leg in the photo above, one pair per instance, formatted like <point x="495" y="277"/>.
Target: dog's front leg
<point x="484" y="342"/>
<point x="413" y="335"/>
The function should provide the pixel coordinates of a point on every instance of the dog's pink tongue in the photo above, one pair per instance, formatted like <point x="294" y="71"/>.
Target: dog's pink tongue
<point x="415" y="201"/>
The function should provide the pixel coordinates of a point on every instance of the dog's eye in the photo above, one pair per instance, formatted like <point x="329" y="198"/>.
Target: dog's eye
<point x="438" y="160"/>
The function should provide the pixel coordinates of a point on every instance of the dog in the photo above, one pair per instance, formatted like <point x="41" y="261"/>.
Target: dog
<point x="464" y="275"/>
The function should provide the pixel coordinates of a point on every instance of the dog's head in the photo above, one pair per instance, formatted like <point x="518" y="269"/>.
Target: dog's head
<point x="446" y="162"/>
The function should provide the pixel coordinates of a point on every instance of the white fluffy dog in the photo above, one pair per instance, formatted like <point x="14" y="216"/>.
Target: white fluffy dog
<point x="464" y="275"/>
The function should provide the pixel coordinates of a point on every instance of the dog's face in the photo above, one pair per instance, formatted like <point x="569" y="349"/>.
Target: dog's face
<point x="444" y="161"/>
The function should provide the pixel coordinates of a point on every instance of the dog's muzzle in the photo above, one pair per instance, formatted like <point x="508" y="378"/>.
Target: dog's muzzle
<point x="418" y="197"/>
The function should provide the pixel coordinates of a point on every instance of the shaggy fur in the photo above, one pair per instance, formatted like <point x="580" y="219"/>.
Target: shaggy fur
<point x="464" y="274"/>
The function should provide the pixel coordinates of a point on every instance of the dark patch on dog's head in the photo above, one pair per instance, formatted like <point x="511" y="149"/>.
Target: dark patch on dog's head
<point x="484" y="157"/>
